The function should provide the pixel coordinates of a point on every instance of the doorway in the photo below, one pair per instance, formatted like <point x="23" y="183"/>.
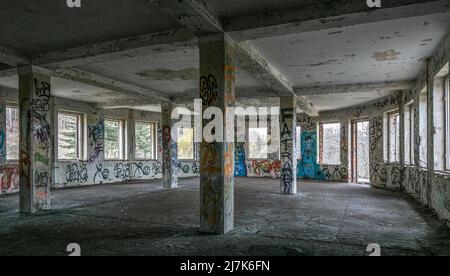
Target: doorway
<point x="360" y="152"/>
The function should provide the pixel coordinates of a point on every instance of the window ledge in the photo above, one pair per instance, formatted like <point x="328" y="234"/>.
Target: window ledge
<point x="442" y="173"/>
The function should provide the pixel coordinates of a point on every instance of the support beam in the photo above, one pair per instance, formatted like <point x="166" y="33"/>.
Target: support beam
<point x="13" y="58"/>
<point x="355" y="88"/>
<point x="110" y="84"/>
<point x="36" y="140"/>
<point x="217" y="84"/>
<point x="169" y="147"/>
<point x="2" y="131"/>
<point x="255" y="64"/>
<point x="288" y="149"/>
<point x="332" y="14"/>
<point x="115" y="50"/>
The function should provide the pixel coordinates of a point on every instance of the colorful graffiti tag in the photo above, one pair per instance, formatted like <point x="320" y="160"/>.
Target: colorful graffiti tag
<point x="9" y="179"/>
<point x="308" y="167"/>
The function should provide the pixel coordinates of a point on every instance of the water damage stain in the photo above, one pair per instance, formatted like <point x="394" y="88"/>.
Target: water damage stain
<point x="161" y="74"/>
<point x="386" y="55"/>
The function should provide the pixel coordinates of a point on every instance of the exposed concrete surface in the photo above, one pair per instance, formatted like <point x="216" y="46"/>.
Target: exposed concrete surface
<point x="324" y="219"/>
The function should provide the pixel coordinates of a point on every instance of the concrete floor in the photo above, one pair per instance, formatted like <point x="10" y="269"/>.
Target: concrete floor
<point x="142" y="219"/>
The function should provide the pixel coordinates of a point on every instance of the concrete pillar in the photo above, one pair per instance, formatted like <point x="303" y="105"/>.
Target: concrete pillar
<point x="36" y="139"/>
<point x="288" y="124"/>
<point x="130" y="133"/>
<point x="169" y="148"/>
<point x="217" y="91"/>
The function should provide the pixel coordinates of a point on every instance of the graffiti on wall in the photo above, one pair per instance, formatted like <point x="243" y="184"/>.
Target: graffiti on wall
<point x="9" y="179"/>
<point x="378" y="171"/>
<point x="2" y="145"/>
<point x="308" y="167"/>
<point x="240" y="168"/>
<point x="264" y="168"/>
<point x="76" y="173"/>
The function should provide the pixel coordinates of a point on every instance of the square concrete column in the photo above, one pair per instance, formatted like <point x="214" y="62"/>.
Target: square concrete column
<point x="36" y="139"/>
<point x="288" y="150"/>
<point x="169" y="148"/>
<point x="217" y="91"/>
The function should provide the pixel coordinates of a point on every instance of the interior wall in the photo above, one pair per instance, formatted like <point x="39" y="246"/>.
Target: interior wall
<point x="95" y="169"/>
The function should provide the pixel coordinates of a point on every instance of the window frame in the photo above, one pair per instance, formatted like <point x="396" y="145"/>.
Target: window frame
<point x="155" y="140"/>
<point x="410" y="109"/>
<point x="423" y="94"/>
<point x="389" y="115"/>
<point x="447" y="121"/>
<point x="194" y="148"/>
<point x="267" y="144"/>
<point x="12" y="106"/>
<point x="122" y="137"/>
<point x="80" y="134"/>
<point x="320" y="147"/>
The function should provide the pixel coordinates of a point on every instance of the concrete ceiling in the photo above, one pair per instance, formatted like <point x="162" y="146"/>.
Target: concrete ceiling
<point x="33" y="27"/>
<point x="385" y="51"/>
<point x="392" y="50"/>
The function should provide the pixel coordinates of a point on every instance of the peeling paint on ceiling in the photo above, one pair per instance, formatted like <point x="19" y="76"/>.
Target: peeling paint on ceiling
<point x="162" y="74"/>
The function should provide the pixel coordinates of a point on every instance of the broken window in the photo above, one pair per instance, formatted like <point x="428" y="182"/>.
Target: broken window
<point x="330" y="144"/>
<point x="186" y="144"/>
<point x="12" y="133"/>
<point x="69" y="138"/>
<point x="423" y="128"/>
<point x="257" y="143"/>
<point x="409" y="133"/>
<point x="114" y="139"/>
<point x="393" y="137"/>
<point x="145" y="141"/>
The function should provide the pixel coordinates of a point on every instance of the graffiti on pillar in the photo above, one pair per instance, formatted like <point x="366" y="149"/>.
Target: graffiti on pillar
<point x="169" y="148"/>
<point x="378" y="171"/>
<point x="41" y="179"/>
<point x="9" y="179"/>
<point x="308" y="167"/>
<point x="208" y="89"/>
<point x="240" y="169"/>
<point x="40" y="107"/>
<point x="96" y="134"/>
<point x="76" y="173"/>
<point x="288" y="177"/>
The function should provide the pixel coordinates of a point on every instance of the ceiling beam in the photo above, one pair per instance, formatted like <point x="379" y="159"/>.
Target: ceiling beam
<point x="255" y="64"/>
<point x="127" y="89"/>
<point x="379" y="87"/>
<point x="196" y="15"/>
<point x="332" y="14"/>
<point x="13" y="58"/>
<point x="144" y="45"/>
<point x="199" y="17"/>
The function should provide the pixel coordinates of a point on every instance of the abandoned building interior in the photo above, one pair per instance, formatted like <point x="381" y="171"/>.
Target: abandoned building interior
<point x="360" y="96"/>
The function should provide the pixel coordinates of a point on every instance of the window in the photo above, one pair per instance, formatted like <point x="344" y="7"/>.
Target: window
<point x="447" y="115"/>
<point x="114" y="138"/>
<point x="12" y="133"/>
<point x="258" y="143"/>
<point x="69" y="136"/>
<point x="423" y="128"/>
<point x="145" y="141"/>
<point x="393" y="137"/>
<point x="299" y="142"/>
<point x="186" y="144"/>
<point x="409" y="133"/>
<point x="330" y="144"/>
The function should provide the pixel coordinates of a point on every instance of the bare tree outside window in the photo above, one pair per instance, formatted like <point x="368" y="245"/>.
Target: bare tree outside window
<point x="145" y="141"/>
<point x="331" y="142"/>
<point x="186" y="144"/>
<point x="257" y="143"/>
<point x="12" y="133"/>
<point x="68" y="136"/>
<point x="113" y="139"/>
<point x="363" y="152"/>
